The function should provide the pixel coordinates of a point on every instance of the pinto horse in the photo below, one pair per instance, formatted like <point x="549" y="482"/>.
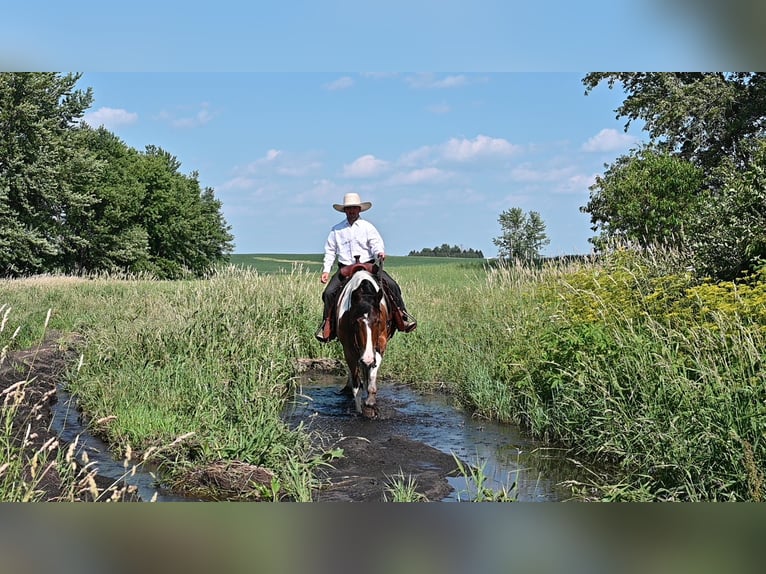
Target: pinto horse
<point x="363" y="328"/>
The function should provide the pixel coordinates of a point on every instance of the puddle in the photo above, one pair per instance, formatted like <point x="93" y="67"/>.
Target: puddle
<point x="525" y="467"/>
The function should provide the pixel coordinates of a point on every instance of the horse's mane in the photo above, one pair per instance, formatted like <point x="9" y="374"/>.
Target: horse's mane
<point x="364" y="298"/>
<point x="362" y="290"/>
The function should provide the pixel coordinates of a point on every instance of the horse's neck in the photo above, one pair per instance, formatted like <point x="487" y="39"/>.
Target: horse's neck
<point x="344" y="301"/>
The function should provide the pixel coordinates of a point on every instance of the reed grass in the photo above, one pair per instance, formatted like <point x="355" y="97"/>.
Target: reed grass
<point x="628" y="363"/>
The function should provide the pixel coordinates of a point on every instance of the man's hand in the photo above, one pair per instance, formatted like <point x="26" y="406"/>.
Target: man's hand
<point x="382" y="256"/>
<point x="325" y="277"/>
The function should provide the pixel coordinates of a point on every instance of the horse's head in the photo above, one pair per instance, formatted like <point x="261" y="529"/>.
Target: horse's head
<point x="370" y="317"/>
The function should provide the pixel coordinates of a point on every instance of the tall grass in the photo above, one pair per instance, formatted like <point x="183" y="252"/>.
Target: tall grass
<point x="653" y="377"/>
<point x="640" y="372"/>
<point x="650" y="376"/>
<point x="32" y="467"/>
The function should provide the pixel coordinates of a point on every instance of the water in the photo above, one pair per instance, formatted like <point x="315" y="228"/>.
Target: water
<point x="68" y="426"/>
<point x="508" y="458"/>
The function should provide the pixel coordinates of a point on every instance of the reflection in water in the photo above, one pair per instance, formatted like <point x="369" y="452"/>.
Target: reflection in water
<point x="509" y="459"/>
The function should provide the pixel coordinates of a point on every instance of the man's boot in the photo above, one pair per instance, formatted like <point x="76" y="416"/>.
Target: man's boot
<point x="404" y="321"/>
<point x="324" y="333"/>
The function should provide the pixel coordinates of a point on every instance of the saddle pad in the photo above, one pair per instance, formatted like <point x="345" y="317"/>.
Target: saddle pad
<point x="344" y="301"/>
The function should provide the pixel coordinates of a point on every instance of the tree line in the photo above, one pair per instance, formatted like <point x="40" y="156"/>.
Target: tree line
<point x="446" y="250"/>
<point x="75" y="199"/>
<point x="699" y="184"/>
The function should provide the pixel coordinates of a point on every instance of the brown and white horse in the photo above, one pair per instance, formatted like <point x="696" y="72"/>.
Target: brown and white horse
<point x="363" y="329"/>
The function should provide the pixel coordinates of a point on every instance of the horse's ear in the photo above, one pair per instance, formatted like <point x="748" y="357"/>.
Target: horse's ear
<point x="379" y="296"/>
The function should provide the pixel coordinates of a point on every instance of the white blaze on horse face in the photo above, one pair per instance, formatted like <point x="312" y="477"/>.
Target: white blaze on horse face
<point x="368" y="357"/>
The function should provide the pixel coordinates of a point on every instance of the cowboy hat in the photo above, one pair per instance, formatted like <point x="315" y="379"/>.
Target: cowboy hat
<point x="352" y="200"/>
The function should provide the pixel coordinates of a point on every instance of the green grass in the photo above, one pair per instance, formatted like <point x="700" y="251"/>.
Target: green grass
<point x="641" y="372"/>
<point x="271" y="263"/>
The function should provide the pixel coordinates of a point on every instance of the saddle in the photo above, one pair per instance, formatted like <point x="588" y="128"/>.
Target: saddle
<point x="396" y="320"/>
<point x="348" y="270"/>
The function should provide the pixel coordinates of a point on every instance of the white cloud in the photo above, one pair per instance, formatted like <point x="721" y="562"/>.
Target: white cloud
<point x="110" y="118"/>
<point x="417" y="156"/>
<point x="480" y="147"/>
<point x="365" y="166"/>
<point x="342" y="83"/>
<point x="430" y="81"/>
<point x="200" y="118"/>
<point x="560" y="180"/>
<point x="576" y="183"/>
<point x="379" y="75"/>
<point x="420" y="176"/>
<point x="184" y="119"/>
<point x="608" y="140"/>
<point x="527" y="174"/>
<point x="238" y="182"/>
<point x="278" y="162"/>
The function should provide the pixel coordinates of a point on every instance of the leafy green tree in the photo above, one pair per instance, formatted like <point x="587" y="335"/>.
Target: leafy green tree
<point x="644" y="198"/>
<point x="75" y="199"/>
<point x="186" y="231"/>
<point x="523" y="235"/>
<point x="729" y="233"/>
<point x="715" y="121"/>
<point x="704" y="117"/>
<point x="447" y="251"/>
<point x="44" y="176"/>
<point x="117" y="239"/>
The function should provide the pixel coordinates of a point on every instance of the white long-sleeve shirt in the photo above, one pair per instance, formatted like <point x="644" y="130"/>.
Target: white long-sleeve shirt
<point x="345" y="241"/>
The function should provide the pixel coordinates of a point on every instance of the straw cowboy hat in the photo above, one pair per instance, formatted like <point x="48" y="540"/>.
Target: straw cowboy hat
<point x="352" y="200"/>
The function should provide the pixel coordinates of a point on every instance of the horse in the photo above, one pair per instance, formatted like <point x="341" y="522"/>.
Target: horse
<point x="364" y="329"/>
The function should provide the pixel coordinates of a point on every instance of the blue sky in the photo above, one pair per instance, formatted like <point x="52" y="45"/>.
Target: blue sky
<point x="273" y="103"/>
<point x="440" y="155"/>
<point x="321" y="35"/>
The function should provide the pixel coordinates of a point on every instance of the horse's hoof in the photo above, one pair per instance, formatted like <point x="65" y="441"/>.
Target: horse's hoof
<point x="370" y="412"/>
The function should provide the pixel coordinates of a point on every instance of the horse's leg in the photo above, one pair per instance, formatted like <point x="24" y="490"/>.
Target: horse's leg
<point x="357" y="386"/>
<point x="372" y="381"/>
<point x="348" y="389"/>
<point x="353" y="384"/>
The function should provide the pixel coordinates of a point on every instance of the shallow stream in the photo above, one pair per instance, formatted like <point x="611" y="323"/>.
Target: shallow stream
<point x="506" y="456"/>
<point x="422" y="432"/>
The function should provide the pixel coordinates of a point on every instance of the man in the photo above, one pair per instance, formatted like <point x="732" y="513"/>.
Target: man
<point x="351" y="238"/>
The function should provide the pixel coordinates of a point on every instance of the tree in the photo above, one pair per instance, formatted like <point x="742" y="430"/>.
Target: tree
<point x="186" y="231"/>
<point x="75" y="199"/>
<point x="644" y="198"/>
<point x="704" y="117"/>
<point x="716" y="122"/>
<point x="117" y="239"/>
<point x="44" y="176"/>
<point x="523" y="235"/>
<point x="728" y="237"/>
<point x="447" y="251"/>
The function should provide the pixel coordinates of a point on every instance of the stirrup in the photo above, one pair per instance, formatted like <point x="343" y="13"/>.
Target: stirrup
<point x="406" y="323"/>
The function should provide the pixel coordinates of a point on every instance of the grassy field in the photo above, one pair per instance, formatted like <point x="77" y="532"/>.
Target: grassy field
<point x="650" y="376"/>
<point x="269" y="263"/>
